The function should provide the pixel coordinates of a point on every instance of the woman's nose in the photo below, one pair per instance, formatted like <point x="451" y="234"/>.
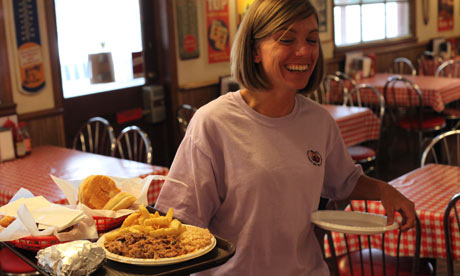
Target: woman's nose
<point x="302" y="50"/>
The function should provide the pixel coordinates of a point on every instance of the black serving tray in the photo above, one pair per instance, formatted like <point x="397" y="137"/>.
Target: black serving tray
<point x="223" y="251"/>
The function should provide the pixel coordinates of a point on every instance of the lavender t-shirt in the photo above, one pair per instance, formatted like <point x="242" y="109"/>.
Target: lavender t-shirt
<point x="255" y="180"/>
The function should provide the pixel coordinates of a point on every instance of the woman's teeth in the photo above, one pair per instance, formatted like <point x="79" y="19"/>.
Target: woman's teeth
<point x="297" y="68"/>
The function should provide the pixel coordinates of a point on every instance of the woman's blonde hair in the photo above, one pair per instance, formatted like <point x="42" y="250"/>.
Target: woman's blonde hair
<point x="264" y="18"/>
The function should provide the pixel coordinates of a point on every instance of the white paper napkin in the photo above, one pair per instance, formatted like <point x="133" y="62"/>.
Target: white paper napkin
<point x="52" y="218"/>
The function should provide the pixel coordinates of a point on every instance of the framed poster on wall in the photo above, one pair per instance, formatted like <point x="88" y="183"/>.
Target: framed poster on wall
<point x="445" y="15"/>
<point x="217" y="24"/>
<point x="29" y="46"/>
<point x="187" y="29"/>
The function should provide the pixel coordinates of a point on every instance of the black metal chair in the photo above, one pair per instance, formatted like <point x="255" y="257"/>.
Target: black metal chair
<point x="402" y="65"/>
<point x="184" y="114"/>
<point x="95" y="136"/>
<point x="404" y="105"/>
<point x="333" y="90"/>
<point x="450" y="218"/>
<point x="369" y="260"/>
<point x="428" y="63"/>
<point x="443" y="149"/>
<point x="450" y="69"/>
<point x="349" y="81"/>
<point x="365" y="95"/>
<point x="133" y="144"/>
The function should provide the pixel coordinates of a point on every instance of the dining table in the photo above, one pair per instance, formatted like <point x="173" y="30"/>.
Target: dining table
<point x="33" y="172"/>
<point x="430" y="187"/>
<point x="356" y="124"/>
<point x="436" y="91"/>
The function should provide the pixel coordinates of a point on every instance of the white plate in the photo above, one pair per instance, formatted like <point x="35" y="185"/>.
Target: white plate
<point x="352" y="222"/>
<point x="155" y="262"/>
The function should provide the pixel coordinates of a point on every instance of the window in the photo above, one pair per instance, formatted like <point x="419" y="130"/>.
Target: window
<point x="98" y="42"/>
<point x="361" y="21"/>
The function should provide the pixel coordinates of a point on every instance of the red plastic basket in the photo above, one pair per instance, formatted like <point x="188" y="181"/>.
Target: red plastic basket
<point x="104" y="224"/>
<point x="35" y="243"/>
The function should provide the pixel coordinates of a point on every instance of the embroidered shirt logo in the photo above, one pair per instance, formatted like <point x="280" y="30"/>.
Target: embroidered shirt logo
<point x="314" y="157"/>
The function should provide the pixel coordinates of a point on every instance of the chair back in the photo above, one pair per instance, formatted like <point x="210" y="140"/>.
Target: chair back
<point x="366" y="95"/>
<point x="333" y="90"/>
<point x="457" y="125"/>
<point x="449" y="68"/>
<point x="95" y="136"/>
<point x="451" y="216"/>
<point x="349" y="81"/>
<point x="428" y="63"/>
<point x="184" y="114"/>
<point x="402" y="65"/>
<point x="133" y="144"/>
<point x="371" y="259"/>
<point x="443" y="149"/>
<point x="405" y="107"/>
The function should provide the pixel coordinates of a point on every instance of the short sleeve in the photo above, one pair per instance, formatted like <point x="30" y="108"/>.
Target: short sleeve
<point x="197" y="200"/>
<point x="341" y="173"/>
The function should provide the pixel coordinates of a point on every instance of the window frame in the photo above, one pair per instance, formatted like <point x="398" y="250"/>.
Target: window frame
<point x="387" y="44"/>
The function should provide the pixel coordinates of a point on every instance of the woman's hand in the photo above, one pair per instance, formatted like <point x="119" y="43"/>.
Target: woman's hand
<point x="392" y="200"/>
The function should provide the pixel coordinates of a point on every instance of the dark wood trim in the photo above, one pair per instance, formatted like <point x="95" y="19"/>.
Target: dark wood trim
<point x="6" y="93"/>
<point x="54" y="56"/>
<point x="167" y="67"/>
<point x="41" y="114"/>
<point x="7" y="109"/>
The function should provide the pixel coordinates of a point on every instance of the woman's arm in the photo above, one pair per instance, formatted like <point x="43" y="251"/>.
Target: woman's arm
<point x="392" y="200"/>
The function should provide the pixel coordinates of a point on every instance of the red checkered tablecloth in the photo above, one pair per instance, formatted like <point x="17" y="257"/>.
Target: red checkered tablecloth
<point x="33" y="172"/>
<point x="436" y="91"/>
<point x="430" y="188"/>
<point x="357" y="124"/>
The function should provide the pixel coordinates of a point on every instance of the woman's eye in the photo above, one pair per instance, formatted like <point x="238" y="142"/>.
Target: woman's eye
<point x="312" y="41"/>
<point x="286" y="40"/>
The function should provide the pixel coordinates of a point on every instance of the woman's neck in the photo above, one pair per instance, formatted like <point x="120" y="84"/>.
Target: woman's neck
<point x="270" y="103"/>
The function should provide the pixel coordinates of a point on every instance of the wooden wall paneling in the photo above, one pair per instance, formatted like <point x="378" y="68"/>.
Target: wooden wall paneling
<point x="46" y="131"/>
<point x="45" y="128"/>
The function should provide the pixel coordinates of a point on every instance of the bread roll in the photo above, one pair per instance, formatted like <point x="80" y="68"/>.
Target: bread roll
<point x="121" y="200"/>
<point x="96" y="190"/>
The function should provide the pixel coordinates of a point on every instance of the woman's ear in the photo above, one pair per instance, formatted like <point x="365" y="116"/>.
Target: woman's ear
<point x="255" y="54"/>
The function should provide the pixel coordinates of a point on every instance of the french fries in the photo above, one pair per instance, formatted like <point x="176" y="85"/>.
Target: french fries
<point x="150" y="224"/>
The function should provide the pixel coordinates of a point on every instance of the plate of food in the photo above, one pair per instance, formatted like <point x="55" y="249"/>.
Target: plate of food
<point x="349" y="222"/>
<point x="151" y="240"/>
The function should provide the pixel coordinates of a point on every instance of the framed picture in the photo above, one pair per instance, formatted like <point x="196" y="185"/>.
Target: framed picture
<point x="321" y="8"/>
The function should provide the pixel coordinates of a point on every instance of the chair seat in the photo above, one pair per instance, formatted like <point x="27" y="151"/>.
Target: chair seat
<point x="405" y="264"/>
<point x="11" y="263"/>
<point x="452" y="113"/>
<point x="428" y="123"/>
<point x="361" y="153"/>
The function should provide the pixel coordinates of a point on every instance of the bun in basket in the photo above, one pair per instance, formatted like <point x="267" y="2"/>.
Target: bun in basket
<point x="121" y="200"/>
<point x="96" y="190"/>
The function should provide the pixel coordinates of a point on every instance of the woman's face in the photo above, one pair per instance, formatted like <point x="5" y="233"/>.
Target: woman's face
<point x="288" y="58"/>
